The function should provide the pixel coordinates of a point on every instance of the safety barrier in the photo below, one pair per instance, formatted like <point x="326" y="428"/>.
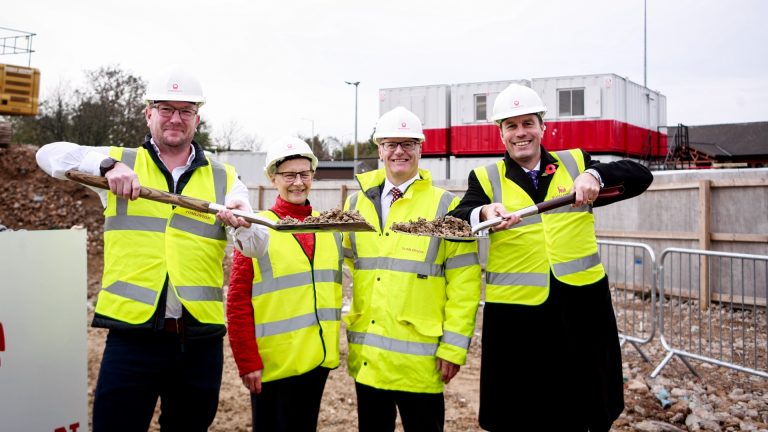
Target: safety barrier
<point x="713" y="309"/>
<point x="631" y="269"/>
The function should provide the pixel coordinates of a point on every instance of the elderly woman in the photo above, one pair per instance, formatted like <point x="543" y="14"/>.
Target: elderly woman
<point x="284" y="303"/>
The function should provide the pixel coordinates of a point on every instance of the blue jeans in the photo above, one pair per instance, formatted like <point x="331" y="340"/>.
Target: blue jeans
<point x="140" y="366"/>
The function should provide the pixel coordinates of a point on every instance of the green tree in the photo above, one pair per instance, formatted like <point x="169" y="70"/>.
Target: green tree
<point x="109" y="111"/>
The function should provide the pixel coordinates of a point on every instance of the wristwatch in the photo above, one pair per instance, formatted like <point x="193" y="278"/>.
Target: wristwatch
<point x="106" y="165"/>
<point x="596" y="175"/>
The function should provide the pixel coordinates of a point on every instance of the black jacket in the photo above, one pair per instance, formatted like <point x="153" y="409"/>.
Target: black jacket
<point x="633" y="176"/>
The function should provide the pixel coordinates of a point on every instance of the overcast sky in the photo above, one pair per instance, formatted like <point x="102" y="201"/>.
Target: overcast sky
<point x="278" y="67"/>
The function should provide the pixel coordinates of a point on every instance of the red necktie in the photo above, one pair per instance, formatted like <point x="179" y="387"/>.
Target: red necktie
<point x="396" y="194"/>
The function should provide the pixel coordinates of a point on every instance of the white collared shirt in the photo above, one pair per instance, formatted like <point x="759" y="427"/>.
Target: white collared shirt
<point x="386" y="195"/>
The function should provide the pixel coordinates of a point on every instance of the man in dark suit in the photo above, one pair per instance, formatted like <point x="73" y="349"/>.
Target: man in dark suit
<point x="550" y="352"/>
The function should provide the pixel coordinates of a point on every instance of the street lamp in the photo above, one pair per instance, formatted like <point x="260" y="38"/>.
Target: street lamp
<point x="355" y="83"/>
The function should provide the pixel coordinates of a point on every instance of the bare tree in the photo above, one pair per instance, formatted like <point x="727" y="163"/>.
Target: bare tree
<point x="232" y="137"/>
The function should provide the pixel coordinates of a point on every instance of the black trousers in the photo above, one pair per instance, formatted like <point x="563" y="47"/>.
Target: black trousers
<point x="140" y="366"/>
<point x="419" y="412"/>
<point x="290" y="404"/>
<point x="562" y="356"/>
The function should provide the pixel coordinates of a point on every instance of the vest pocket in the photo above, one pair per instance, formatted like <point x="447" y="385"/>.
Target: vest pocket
<point x="425" y="327"/>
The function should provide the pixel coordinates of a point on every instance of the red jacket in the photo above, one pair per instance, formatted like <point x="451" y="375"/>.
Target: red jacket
<point x="240" y="321"/>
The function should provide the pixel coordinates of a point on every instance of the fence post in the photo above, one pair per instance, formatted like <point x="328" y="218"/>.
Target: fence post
<point x="705" y="225"/>
<point x="343" y="195"/>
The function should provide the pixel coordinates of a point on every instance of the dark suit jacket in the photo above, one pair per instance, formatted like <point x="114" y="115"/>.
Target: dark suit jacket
<point x="633" y="176"/>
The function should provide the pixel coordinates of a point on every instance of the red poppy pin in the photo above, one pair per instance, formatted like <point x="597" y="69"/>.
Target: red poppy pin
<point x="550" y="169"/>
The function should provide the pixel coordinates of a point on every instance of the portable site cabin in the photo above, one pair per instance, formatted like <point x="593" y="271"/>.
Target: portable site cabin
<point x="603" y="114"/>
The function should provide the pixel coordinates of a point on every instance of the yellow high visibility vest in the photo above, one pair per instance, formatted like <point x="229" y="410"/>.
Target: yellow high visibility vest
<point x="563" y="239"/>
<point x="146" y="240"/>
<point x="297" y="304"/>
<point x="414" y="297"/>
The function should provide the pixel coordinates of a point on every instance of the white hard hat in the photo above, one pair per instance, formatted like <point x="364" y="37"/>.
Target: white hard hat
<point x="285" y="147"/>
<point x="398" y="123"/>
<point x="517" y="100"/>
<point x="174" y="84"/>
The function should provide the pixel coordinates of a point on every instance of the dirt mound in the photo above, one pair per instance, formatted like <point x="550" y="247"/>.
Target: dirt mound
<point x="32" y="200"/>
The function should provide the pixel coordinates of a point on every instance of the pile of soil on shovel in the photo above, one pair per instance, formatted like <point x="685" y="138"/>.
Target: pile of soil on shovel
<point x="335" y="215"/>
<point x="446" y="226"/>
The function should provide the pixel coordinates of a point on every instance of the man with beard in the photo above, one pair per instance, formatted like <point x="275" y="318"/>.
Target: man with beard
<point x="161" y="295"/>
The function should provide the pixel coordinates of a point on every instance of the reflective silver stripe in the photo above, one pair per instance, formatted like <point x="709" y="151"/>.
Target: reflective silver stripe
<point x="445" y="203"/>
<point x="455" y="339"/>
<point x="530" y="220"/>
<point x="219" y="180"/>
<point x="495" y="179"/>
<point x="462" y="260"/>
<point x="329" y="314"/>
<point x="570" y="163"/>
<point x="129" y="157"/>
<point x="352" y="235"/>
<point x="433" y="250"/>
<point x="271" y="284"/>
<point x="137" y="223"/>
<point x="133" y="292"/>
<point x="400" y="265"/>
<point x="575" y="266"/>
<point x="389" y="344"/>
<point x="524" y="279"/>
<point x="200" y="293"/>
<point x="286" y="325"/>
<point x="340" y="250"/>
<point x="202" y="229"/>
<point x="348" y="252"/>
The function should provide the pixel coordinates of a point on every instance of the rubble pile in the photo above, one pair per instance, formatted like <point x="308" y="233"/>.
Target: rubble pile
<point x="32" y="200"/>
<point x="335" y="215"/>
<point x="446" y="226"/>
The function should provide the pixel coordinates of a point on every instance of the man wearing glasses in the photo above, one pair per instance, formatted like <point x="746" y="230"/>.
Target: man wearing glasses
<point x="161" y="295"/>
<point x="414" y="298"/>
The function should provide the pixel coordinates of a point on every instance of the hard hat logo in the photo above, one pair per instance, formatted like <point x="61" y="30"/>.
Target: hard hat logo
<point x="175" y="86"/>
<point x="517" y="102"/>
<point x="403" y="125"/>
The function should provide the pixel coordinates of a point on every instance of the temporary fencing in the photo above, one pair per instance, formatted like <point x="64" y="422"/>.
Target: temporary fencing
<point x="631" y="269"/>
<point x="713" y="309"/>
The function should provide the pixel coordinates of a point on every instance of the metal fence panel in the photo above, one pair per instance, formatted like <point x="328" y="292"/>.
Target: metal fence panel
<point x="631" y="269"/>
<point x="713" y="309"/>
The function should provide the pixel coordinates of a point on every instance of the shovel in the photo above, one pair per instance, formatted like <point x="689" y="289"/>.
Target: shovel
<point x="209" y="207"/>
<point x="544" y="206"/>
<point x="535" y="209"/>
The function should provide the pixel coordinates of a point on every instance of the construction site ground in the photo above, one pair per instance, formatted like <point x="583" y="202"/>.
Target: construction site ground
<point x="720" y="400"/>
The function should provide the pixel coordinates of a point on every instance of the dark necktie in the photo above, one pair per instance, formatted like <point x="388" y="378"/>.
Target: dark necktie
<point x="534" y="175"/>
<point x="396" y="194"/>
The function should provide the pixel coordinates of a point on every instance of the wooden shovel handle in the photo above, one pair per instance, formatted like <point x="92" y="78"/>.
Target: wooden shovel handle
<point x="145" y="192"/>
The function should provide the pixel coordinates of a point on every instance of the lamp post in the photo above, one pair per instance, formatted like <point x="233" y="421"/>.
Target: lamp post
<point x="355" y="83"/>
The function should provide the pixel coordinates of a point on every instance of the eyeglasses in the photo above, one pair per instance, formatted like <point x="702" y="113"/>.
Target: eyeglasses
<point x="167" y="111"/>
<point x="290" y="176"/>
<point x="407" y="145"/>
